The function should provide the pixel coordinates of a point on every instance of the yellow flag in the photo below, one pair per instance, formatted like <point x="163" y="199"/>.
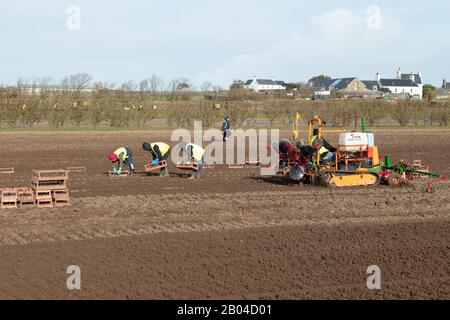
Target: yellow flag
<point x="298" y="117"/>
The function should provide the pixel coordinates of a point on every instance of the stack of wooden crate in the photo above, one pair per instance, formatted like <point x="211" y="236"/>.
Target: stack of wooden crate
<point x="9" y="198"/>
<point x="50" y="188"/>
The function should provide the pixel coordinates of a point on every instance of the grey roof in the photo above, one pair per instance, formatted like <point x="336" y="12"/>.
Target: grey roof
<point x="397" y="83"/>
<point x="370" y="84"/>
<point x="337" y="84"/>
<point x="417" y="78"/>
<point x="266" y="82"/>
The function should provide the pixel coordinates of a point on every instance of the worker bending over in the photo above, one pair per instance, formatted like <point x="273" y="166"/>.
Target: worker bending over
<point x="326" y="150"/>
<point x="121" y="157"/>
<point x="160" y="151"/>
<point x="195" y="155"/>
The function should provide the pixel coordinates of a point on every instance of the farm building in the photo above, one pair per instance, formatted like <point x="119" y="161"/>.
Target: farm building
<point x="344" y="87"/>
<point x="407" y="85"/>
<point x="259" y="85"/>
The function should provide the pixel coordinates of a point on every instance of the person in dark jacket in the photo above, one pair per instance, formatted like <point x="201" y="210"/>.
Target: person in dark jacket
<point x="226" y="128"/>
<point x="326" y="150"/>
<point x="160" y="151"/>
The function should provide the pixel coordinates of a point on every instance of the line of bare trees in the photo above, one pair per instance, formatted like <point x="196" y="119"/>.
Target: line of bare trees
<point x="104" y="110"/>
<point x="76" y="101"/>
<point x="153" y="87"/>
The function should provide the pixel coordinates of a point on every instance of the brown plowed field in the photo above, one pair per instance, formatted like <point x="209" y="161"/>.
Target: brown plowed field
<point x="230" y="235"/>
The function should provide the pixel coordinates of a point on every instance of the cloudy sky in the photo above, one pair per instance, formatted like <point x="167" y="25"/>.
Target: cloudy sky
<point x="219" y="41"/>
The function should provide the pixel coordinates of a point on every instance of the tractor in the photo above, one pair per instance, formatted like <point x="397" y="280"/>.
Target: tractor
<point x="356" y="162"/>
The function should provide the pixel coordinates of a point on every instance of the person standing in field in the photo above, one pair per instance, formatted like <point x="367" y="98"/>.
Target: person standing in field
<point x="121" y="157"/>
<point x="160" y="151"/>
<point x="226" y="128"/>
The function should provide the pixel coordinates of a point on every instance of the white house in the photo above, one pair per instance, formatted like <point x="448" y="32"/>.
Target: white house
<point x="403" y="84"/>
<point x="258" y="85"/>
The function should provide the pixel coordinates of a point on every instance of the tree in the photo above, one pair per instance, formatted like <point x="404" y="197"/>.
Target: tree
<point x="315" y="80"/>
<point x="207" y="113"/>
<point x="207" y="86"/>
<point x="173" y="85"/>
<point x="156" y="83"/>
<point x="272" y="111"/>
<point x="75" y="83"/>
<point x="429" y="92"/>
<point x="144" y="85"/>
<point x="402" y="113"/>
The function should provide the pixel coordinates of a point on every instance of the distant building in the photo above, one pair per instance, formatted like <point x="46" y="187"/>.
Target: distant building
<point x="52" y="89"/>
<point x="259" y="85"/>
<point x="444" y="91"/>
<point x="345" y="88"/>
<point x="403" y="85"/>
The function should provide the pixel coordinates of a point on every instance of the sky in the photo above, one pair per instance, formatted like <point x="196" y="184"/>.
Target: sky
<point x="219" y="41"/>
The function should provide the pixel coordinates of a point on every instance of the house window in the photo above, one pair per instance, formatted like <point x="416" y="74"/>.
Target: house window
<point x="396" y="90"/>
<point x="411" y="91"/>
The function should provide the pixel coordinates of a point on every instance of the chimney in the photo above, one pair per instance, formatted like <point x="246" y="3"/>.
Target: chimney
<point x="399" y="74"/>
<point x="412" y="77"/>
<point x="444" y="83"/>
<point x="377" y="76"/>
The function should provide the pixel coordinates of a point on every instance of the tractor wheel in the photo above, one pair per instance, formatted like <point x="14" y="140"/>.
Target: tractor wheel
<point x="394" y="180"/>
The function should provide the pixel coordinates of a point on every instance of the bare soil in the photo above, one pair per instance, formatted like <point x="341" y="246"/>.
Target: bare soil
<point x="230" y="235"/>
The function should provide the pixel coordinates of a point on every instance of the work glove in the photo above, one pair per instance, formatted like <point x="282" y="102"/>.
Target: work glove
<point x="154" y="162"/>
<point x="119" y="171"/>
<point x="115" y="170"/>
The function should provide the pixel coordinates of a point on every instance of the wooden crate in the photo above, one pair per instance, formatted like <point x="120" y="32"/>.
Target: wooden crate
<point x="424" y="169"/>
<point x="50" y="175"/>
<point x="236" y="166"/>
<point x="187" y="166"/>
<point x="7" y="170"/>
<point x="9" y="199"/>
<point x="49" y="179"/>
<point x="60" y="194"/>
<point x="417" y="163"/>
<point x="44" y="203"/>
<point x="61" y="198"/>
<point x="76" y="169"/>
<point x="124" y="173"/>
<point x="43" y="194"/>
<point x="152" y="168"/>
<point x="26" y="197"/>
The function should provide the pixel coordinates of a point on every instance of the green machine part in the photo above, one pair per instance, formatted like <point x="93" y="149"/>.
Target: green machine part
<point x="388" y="161"/>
